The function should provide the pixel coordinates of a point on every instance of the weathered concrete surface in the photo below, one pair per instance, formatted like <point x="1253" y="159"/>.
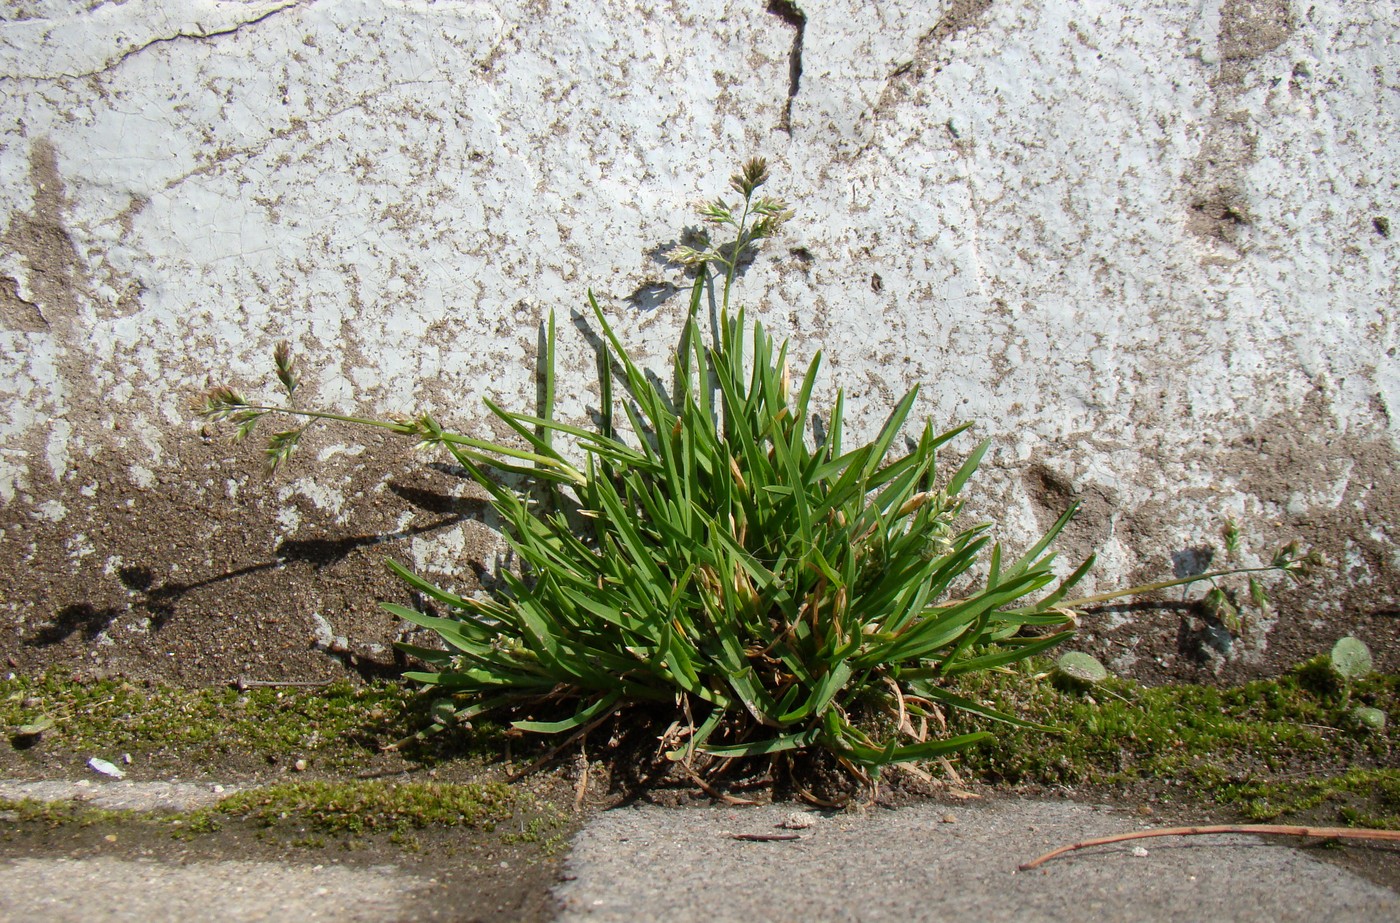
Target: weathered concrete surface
<point x="1150" y="247"/>
<point x="120" y="796"/>
<point x="933" y="862"/>
<point x="129" y="868"/>
<point x="106" y="888"/>
<point x="881" y="865"/>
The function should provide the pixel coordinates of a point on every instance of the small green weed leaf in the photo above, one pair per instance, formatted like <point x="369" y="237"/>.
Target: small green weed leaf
<point x="443" y="711"/>
<point x="1367" y="718"/>
<point x="1080" y="666"/>
<point x="34" y="728"/>
<point x="1351" y="658"/>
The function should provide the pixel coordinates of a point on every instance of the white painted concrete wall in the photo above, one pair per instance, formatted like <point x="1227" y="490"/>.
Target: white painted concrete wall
<point x="1151" y="247"/>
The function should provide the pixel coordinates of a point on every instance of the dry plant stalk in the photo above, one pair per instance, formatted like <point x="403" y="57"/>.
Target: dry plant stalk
<point x="1325" y="833"/>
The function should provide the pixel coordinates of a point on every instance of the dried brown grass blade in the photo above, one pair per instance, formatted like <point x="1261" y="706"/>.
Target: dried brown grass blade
<point x="1326" y="833"/>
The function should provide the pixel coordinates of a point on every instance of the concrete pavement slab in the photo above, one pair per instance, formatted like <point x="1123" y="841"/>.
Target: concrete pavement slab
<point x="939" y="861"/>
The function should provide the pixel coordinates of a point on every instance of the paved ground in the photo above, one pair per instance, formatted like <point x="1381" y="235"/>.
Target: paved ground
<point x="121" y="796"/>
<point x="939" y="862"/>
<point x="644" y="863"/>
<point x="104" y="889"/>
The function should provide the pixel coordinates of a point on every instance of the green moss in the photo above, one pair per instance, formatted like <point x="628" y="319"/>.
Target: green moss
<point x="335" y="727"/>
<point x="311" y="814"/>
<point x="60" y="813"/>
<point x="1217" y="742"/>
<point x="313" y="810"/>
<point x="1269" y="747"/>
<point x="364" y="807"/>
<point x="1359" y="797"/>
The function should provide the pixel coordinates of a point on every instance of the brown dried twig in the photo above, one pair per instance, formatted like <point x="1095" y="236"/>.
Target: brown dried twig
<point x="243" y="684"/>
<point x="1326" y="833"/>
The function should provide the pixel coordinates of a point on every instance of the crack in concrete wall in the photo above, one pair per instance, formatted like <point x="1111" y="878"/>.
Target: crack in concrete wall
<point x="929" y="58"/>
<point x="1245" y="31"/>
<point x="790" y="13"/>
<point x="62" y="42"/>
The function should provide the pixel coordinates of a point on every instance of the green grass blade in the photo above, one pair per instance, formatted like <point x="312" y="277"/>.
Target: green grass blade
<point x="881" y="446"/>
<point x="582" y="717"/>
<point x="1018" y="651"/>
<point x="430" y="590"/>
<point x="944" y="697"/>
<point x="913" y="752"/>
<point x="546" y="397"/>
<point x="960" y="477"/>
<point x="763" y="747"/>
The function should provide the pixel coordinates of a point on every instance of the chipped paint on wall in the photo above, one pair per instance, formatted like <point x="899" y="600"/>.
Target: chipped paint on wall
<point x="1147" y="246"/>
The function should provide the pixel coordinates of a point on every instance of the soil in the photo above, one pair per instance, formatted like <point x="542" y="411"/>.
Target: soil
<point x="220" y="572"/>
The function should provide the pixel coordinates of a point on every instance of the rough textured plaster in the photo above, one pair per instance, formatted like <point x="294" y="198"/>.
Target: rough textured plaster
<point x="1146" y="246"/>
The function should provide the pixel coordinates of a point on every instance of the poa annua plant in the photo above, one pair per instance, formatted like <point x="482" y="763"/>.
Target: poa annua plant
<point x="721" y="553"/>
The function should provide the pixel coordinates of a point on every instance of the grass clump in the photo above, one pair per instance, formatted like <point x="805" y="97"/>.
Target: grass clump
<point x="719" y="556"/>
<point x="722" y="553"/>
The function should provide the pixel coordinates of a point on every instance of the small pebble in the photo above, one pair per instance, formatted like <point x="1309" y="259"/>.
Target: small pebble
<point x="299" y="766"/>
<point x="97" y="764"/>
<point x="1145" y="810"/>
<point x="947" y="819"/>
<point x="126" y="758"/>
<point x="798" y="820"/>
<point x="216" y="789"/>
<point x="1139" y="852"/>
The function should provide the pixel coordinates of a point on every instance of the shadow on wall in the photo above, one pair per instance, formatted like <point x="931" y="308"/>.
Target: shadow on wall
<point x="160" y="601"/>
<point x="79" y="618"/>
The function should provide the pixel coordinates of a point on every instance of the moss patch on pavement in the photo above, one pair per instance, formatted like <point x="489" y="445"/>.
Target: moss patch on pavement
<point x="363" y="808"/>
<point x="1269" y="748"/>
<point x="336" y="729"/>
<point x="313" y="813"/>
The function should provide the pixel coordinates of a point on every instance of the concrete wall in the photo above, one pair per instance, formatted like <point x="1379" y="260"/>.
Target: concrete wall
<point x="1150" y="247"/>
